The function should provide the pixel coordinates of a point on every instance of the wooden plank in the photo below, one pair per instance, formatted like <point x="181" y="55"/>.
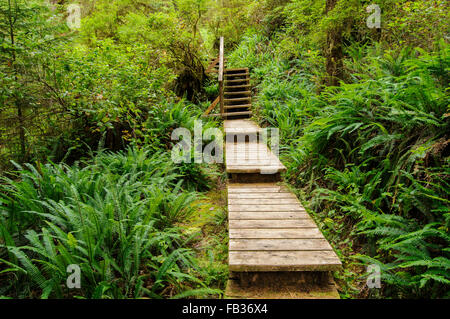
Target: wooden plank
<point x="262" y="201"/>
<point x="251" y="162"/>
<point x="230" y="153"/>
<point x="212" y="106"/>
<point x="221" y="53"/>
<point x="266" y="208"/>
<point x="239" y="106"/>
<point x="268" y="215"/>
<point x="236" y="113"/>
<point x="246" y="157"/>
<point x="251" y="154"/>
<point x="261" y="195"/>
<point x="236" y="154"/>
<point x="232" y="93"/>
<point x="250" y="189"/>
<point x="283" y="261"/>
<point x="220" y="76"/>
<point x="235" y="75"/>
<point x="255" y="185"/>
<point x="212" y="65"/>
<point x="279" y="244"/>
<point x="301" y="233"/>
<point x="260" y="169"/>
<point x="243" y="147"/>
<point x="235" y="69"/>
<point x="274" y="223"/>
<point x="239" y="123"/>
<point x="264" y="154"/>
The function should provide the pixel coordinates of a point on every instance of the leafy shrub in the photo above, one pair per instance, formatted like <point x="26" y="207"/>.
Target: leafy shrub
<point x="116" y="217"/>
<point x="371" y="155"/>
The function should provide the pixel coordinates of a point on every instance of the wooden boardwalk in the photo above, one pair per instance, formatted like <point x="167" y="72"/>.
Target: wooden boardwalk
<point x="275" y="248"/>
<point x="271" y="231"/>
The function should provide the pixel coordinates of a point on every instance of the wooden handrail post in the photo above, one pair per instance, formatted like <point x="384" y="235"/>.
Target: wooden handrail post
<point x="221" y="75"/>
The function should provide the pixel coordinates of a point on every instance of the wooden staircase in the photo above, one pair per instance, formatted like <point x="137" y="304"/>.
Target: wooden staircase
<point x="275" y="248"/>
<point x="234" y="89"/>
<point x="237" y="94"/>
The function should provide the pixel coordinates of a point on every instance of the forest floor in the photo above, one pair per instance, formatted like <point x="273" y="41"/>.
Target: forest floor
<point x="209" y="229"/>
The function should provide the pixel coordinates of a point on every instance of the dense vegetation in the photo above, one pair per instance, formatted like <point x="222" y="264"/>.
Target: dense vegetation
<point x="370" y="155"/>
<point x="86" y="118"/>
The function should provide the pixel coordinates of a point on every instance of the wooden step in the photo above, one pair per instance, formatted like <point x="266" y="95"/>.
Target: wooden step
<point x="231" y="114"/>
<point x="240" y="125"/>
<point x="270" y="224"/>
<point x="257" y="159"/>
<point x="284" y="260"/>
<point x="231" y="75"/>
<point x="244" y="86"/>
<point x="235" y="81"/>
<point x="235" y="76"/>
<point x="273" y="216"/>
<point x="238" y="93"/>
<point x="313" y="244"/>
<point x="239" y="106"/>
<point x="241" y="130"/>
<point x="304" y="233"/>
<point x="239" y="99"/>
<point x="236" y="70"/>
<point x="271" y="231"/>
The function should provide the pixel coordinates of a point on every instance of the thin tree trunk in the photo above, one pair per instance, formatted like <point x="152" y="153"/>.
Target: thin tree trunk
<point x="333" y="50"/>
<point x="22" y="138"/>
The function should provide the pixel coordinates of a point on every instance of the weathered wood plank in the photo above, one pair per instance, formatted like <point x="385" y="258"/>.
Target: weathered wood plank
<point x="249" y="189"/>
<point x="268" y="215"/>
<point x="262" y="201"/>
<point x="283" y="261"/>
<point x="239" y="123"/>
<point x="212" y="65"/>
<point x="266" y="208"/>
<point x="251" y="158"/>
<point x="302" y="233"/>
<point x="249" y="155"/>
<point x="262" y="169"/>
<point x="274" y="223"/>
<point x="252" y="162"/>
<point x="212" y="106"/>
<point x="220" y="77"/>
<point x="279" y="244"/>
<point x="281" y="195"/>
<point x="255" y="185"/>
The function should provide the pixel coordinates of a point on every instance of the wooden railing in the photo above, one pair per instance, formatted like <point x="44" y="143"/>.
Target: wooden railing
<point x="219" y="99"/>
<point x="221" y="75"/>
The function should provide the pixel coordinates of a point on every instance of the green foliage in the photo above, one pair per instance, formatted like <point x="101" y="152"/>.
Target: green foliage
<point x="371" y="155"/>
<point x="31" y="108"/>
<point x="117" y="217"/>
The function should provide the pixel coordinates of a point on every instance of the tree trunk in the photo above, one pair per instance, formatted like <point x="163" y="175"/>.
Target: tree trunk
<point x="333" y="50"/>
<point x="18" y="103"/>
